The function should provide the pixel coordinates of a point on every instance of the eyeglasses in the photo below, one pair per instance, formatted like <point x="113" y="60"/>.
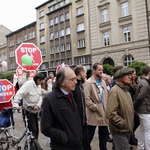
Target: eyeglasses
<point x="73" y="79"/>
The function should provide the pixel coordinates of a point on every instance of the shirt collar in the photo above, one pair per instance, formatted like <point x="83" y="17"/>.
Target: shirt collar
<point x="65" y="92"/>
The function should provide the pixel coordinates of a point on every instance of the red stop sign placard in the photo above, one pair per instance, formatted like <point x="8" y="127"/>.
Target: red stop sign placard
<point x="7" y="91"/>
<point x="19" y="72"/>
<point x="28" y="50"/>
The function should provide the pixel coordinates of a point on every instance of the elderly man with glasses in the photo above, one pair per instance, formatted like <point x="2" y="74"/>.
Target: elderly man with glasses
<point x="60" y="119"/>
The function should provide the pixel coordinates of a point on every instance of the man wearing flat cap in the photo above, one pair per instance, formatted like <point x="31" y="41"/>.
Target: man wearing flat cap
<point x="119" y="110"/>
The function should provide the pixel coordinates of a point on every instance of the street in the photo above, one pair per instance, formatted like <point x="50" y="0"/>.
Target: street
<point x="19" y="127"/>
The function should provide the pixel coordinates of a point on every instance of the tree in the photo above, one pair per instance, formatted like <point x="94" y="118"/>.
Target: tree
<point x="108" y="69"/>
<point x="137" y="66"/>
<point x="7" y="76"/>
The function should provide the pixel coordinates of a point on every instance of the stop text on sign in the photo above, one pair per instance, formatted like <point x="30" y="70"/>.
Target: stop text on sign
<point x="5" y="87"/>
<point x="27" y="49"/>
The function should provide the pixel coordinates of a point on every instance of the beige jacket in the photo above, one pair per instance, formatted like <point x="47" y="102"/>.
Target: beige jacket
<point x="95" y="110"/>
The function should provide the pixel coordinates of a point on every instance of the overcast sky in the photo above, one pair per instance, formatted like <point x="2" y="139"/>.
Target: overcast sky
<point x="15" y="14"/>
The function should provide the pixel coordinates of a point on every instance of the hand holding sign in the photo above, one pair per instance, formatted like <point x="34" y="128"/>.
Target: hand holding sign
<point x="26" y="60"/>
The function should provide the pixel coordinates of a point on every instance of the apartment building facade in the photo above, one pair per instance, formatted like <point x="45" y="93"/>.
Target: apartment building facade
<point x="63" y="33"/>
<point x="26" y="34"/>
<point x="120" y="31"/>
<point x="116" y="32"/>
<point x="3" y="47"/>
<point x="3" y="57"/>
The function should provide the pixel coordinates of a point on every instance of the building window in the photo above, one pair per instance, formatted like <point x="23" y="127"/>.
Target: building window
<point x="62" y="61"/>
<point x="62" y="33"/>
<point x="68" y="31"/>
<point x="57" y="63"/>
<point x="106" y="38"/>
<point x="128" y="60"/>
<point x="42" y="26"/>
<point x="104" y="15"/>
<point x="56" y="35"/>
<point x="56" y="20"/>
<point x="81" y="60"/>
<point x="51" y="50"/>
<point x="33" y="34"/>
<point x="51" y="36"/>
<point x="12" y="54"/>
<point x="11" y="43"/>
<point x="109" y="61"/>
<point x="61" y="3"/>
<point x="124" y="8"/>
<point x="51" y="22"/>
<point x="50" y="8"/>
<point x="62" y="47"/>
<point x="61" y="18"/>
<point x="43" y="52"/>
<point x="30" y="35"/>
<point x="19" y="40"/>
<point x="52" y="64"/>
<point x="25" y="38"/>
<point x="80" y="27"/>
<point x="67" y="15"/>
<point x="12" y="65"/>
<point x="68" y="46"/>
<point x="79" y="11"/>
<point x="42" y="39"/>
<point x="41" y="13"/>
<point x="67" y="1"/>
<point x="81" y="43"/>
<point x="55" y="6"/>
<point x="57" y="49"/>
<point x="127" y="35"/>
<point x="43" y="66"/>
<point x="69" y="62"/>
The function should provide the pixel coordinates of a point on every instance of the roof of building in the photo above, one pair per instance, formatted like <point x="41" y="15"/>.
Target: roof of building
<point x="21" y="29"/>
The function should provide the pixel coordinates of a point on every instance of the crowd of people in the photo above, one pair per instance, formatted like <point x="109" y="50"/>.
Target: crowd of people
<point x="71" y="107"/>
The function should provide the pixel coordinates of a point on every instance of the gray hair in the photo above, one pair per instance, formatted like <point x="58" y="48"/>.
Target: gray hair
<point x="60" y="76"/>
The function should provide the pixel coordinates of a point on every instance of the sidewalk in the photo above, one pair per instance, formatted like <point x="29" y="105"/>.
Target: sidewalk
<point x="19" y="126"/>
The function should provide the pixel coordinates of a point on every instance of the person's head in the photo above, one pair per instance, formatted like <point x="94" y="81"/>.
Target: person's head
<point x="108" y="79"/>
<point x="61" y="66"/>
<point x="116" y="68"/>
<point x="123" y="75"/>
<point x="66" y="79"/>
<point x="104" y="77"/>
<point x="44" y="84"/>
<point x="51" y="75"/>
<point x="146" y="72"/>
<point x="133" y="75"/>
<point x="97" y="70"/>
<point x="27" y="74"/>
<point x="38" y="78"/>
<point x="80" y="72"/>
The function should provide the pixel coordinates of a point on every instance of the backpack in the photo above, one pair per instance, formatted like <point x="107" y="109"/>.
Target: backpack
<point x="5" y="117"/>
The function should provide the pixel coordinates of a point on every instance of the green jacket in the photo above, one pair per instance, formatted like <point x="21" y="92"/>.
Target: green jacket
<point x="119" y="110"/>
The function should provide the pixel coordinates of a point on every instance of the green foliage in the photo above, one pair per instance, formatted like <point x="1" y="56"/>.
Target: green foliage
<point x="137" y="66"/>
<point x="108" y="69"/>
<point x="7" y="76"/>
